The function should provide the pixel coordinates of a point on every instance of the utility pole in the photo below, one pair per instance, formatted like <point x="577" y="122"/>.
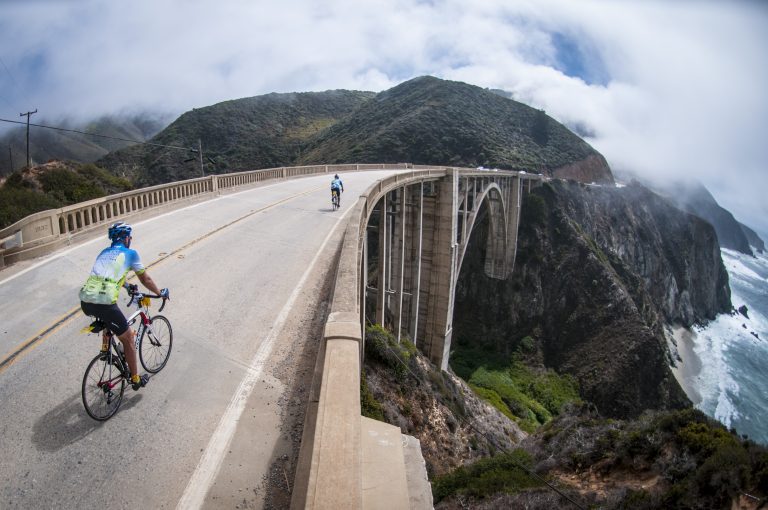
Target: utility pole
<point x="10" y="155"/>
<point x="29" y="161"/>
<point x="200" y="152"/>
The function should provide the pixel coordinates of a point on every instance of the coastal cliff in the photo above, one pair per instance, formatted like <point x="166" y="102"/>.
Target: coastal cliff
<point x="599" y="272"/>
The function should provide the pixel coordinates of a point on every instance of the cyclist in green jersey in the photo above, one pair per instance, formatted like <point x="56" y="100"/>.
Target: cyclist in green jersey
<point x="98" y="296"/>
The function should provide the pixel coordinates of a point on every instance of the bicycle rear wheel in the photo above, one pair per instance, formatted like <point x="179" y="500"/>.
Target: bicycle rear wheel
<point x="103" y="387"/>
<point x="155" y="344"/>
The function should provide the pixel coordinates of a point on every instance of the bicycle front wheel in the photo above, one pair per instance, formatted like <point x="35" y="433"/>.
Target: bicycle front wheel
<point x="103" y="387"/>
<point x="155" y="344"/>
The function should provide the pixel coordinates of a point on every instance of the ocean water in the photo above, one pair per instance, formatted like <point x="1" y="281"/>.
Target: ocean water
<point x="733" y="352"/>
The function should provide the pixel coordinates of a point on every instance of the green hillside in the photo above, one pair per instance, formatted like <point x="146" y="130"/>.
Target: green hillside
<point x="431" y="121"/>
<point x="242" y="134"/>
<point x="53" y="185"/>
<point x="423" y="121"/>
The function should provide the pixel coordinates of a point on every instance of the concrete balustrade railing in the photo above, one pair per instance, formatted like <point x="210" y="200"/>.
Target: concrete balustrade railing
<point x="330" y="470"/>
<point x="45" y="231"/>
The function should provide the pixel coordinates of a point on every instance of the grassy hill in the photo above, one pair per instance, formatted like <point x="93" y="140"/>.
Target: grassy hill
<point x="242" y="134"/>
<point x="53" y="185"/>
<point x="424" y="121"/>
<point x="431" y="121"/>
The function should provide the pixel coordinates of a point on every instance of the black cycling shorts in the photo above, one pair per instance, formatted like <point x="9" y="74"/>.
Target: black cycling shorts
<point x="110" y="314"/>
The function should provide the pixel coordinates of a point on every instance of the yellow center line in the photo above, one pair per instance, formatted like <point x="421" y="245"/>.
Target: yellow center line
<point x="26" y="345"/>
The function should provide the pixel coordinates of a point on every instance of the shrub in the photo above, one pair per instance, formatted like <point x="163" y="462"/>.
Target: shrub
<point x="527" y="345"/>
<point x="381" y="346"/>
<point x="705" y="439"/>
<point x="369" y="406"/>
<point x="505" y="472"/>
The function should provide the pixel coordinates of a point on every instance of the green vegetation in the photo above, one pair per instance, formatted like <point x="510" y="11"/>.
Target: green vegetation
<point x="700" y="463"/>
<point x="370" y="407"/>
<point x="265" y="131"/>
<point x="18" y="202"/>
<point x="53" y="186"/>
<point x="501" y="473"/>
<point x="381" y="346"/>
<point x="424" y="121"/>
<point x="431" y="121"/>
<point x="399" y="363"/>
<point x="529" y="396"/>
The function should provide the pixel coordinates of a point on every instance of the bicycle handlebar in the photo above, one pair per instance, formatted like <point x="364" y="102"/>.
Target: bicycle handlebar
<point x="133" y="292"/>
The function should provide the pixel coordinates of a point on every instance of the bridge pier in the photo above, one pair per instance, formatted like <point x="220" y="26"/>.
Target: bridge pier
<point x="421" y="231"/>
<point x="443" y="225"/>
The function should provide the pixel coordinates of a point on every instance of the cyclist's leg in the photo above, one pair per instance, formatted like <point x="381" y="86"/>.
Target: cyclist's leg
<point x="97" y="311"/>
<point x="127" y="338"/>
<point x="116" y="322"/>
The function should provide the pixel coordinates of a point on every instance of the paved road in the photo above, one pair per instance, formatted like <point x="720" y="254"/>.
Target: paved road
<point x="240" y="269"/>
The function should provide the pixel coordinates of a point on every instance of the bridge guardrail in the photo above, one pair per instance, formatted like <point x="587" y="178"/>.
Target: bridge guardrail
<point x="330" y="462"/>
<point x="45" y="231"/>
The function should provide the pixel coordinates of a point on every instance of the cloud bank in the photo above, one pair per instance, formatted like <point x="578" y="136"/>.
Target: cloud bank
<point x="666" y="90"/>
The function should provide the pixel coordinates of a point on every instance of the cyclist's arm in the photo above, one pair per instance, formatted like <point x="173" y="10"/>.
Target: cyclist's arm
<point x="148" y="282"/>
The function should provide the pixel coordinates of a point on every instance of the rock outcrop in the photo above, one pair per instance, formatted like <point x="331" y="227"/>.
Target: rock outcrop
<point x="593" y="168"/>
<point x="696" y="199"/>
<point x="754" y="240"/>
<point x="599" y="271"/>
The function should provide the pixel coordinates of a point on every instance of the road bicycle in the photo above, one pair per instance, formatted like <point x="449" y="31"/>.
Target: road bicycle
<point x="108" y="373"/>
<point x="335" y="199"/>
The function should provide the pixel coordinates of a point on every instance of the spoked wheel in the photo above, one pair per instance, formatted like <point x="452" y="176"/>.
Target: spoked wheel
<point x="155" y="344"/>
<point x="103" y="387"/>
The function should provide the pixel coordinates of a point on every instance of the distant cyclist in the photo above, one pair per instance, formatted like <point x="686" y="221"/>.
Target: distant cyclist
<point x="98" y="297"/>
<point x="337" y="187"/>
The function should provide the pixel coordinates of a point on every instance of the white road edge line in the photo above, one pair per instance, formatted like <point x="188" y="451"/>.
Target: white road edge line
<point x="209" y="464"/>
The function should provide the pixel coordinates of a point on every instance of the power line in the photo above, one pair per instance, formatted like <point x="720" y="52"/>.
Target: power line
<point x="104" y="136"/>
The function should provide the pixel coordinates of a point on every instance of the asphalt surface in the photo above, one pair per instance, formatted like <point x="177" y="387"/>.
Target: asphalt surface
<point x="248" y="274"/>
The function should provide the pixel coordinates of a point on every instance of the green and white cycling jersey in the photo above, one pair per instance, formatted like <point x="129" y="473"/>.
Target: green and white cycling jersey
<point x="108" y="274"/>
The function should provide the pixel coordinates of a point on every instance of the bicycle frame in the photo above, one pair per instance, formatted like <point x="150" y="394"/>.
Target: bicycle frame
<point x="145" y="322"/>
<point x="114" y="381"/>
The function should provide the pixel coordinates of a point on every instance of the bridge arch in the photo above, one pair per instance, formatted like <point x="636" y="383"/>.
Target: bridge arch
<point x="497" y="243"/>
<point x="415" y="233"/>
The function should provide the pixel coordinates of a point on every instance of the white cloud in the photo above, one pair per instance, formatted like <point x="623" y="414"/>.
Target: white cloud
<point x="684" y="88"/>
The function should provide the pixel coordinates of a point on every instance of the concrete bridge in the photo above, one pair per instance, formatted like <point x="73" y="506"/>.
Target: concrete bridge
<point x="409" y="231"/>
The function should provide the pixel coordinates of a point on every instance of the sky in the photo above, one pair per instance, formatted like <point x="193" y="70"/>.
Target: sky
<point x="666" y="90"/>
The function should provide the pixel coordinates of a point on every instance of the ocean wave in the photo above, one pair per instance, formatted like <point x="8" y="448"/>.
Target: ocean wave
<point x="733" y="348"/>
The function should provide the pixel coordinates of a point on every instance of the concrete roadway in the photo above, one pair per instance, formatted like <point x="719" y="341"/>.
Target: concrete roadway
<point x="235" y="288"/>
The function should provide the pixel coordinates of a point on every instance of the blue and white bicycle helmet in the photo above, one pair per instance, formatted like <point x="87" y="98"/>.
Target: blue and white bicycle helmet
<point x="119" y="230"/>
